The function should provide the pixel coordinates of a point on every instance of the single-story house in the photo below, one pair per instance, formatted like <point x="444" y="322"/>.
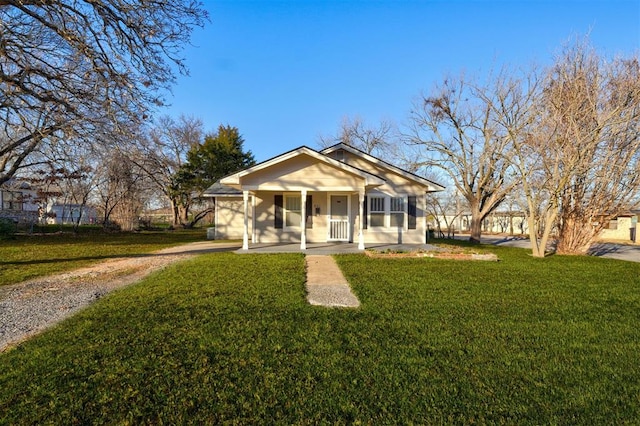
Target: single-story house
<point x="498" y="222"/>
<point x="71" y="214"/>
<point x="339" y="194"/>
<point x="622" y="227"/>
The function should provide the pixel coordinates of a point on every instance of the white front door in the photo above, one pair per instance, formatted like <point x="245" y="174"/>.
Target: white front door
<point x="339" y="218"/>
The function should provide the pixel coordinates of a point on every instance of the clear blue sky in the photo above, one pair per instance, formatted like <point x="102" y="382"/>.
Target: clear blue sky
<point x="286" y="72"/>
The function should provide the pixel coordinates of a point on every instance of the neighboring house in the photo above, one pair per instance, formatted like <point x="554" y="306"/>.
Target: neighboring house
<point x="18" y="202"/>
<point x="498" y="222"/>
<point x="622" y="228"/>
<point x="69" y="214"/>
<point x="339" y="194"/>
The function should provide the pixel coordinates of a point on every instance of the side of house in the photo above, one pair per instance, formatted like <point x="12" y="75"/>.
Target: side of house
<point x="18" y="202"/>
<point x="622" y="228"/>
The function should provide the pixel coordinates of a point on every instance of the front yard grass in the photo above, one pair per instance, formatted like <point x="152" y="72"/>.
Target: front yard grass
<point x="230" y="338"/>
<point x="26" y="257"/>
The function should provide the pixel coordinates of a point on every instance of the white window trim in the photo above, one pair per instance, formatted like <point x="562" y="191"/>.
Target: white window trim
<point x="384" y="212"/>
<point x="387" y="211"/>
<point x="285" y="211"/>
<point x="405" y="217"/>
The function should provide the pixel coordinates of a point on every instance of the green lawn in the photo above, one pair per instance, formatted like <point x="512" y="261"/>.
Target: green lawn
<point x="230" y="338"/>
<point x="26" y="257"/>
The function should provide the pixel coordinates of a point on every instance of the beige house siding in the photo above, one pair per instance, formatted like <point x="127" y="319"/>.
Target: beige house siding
<point x="393" y="234"/>
<point x="230" y="219"/>
<point x="265" y="218"/>
<point x="395" y="183"/>
<point x="302" y="172"/>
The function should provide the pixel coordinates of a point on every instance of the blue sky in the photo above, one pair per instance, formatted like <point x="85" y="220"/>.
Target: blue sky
<point x="286" y="72"/>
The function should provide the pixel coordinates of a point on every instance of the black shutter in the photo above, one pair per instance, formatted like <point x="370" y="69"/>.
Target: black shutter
<point x="309" y="212"/>
<point x="411" y="211"/>
<point x="365" y="211"/>
<point x="278" y="203"/>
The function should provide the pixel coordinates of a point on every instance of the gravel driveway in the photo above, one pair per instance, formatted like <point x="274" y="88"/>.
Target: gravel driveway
<point x="30" y="307"/>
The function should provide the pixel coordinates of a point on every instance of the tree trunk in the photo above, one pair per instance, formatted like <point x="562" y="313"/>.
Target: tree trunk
<point x="175" y="212"/>
<point x="539" y="246"/>
<point x="475" y="228"/>
<point x="576" y="235"/>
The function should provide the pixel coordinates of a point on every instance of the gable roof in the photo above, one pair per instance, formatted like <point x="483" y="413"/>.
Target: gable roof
<point x="370" y="179"/>
<point x="383" y="164"/>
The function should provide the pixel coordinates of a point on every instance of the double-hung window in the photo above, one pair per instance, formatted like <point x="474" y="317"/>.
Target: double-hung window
<point x="376" y="211"/>
<point x="292" y="211"/>
<point x="396" y="212"/>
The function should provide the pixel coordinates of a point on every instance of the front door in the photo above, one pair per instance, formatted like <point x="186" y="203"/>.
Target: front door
<point x="339" y="218"/>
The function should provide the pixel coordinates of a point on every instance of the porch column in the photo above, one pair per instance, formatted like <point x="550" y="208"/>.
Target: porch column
<point x="303" y="220"/>
<point x="245" y="234"/>
<point x="361" y="216"/>
<point x="253" y="219"/>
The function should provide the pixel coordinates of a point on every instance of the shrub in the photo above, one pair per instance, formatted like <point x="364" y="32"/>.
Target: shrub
<point x="7" y="228"/>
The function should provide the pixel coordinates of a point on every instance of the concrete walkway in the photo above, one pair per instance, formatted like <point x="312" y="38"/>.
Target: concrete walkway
<point x="326" y="286"/>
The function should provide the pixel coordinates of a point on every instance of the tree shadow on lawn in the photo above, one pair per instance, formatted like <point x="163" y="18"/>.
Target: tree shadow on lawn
<point x="117" y="256"/>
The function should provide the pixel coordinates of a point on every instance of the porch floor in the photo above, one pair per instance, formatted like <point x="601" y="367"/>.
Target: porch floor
<point x="329" y="248"/>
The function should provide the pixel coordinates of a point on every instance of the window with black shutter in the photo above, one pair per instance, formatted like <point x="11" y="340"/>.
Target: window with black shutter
<point x="278" y="217"/>
<point x="412" y="211"/>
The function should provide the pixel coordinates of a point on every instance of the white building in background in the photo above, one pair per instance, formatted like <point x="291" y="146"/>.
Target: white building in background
<point x="499" y="222"/>
<point x="622" y="228"/>
<point x="69" y="214"/>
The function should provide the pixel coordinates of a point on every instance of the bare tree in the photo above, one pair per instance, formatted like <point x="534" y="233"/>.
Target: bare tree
<point x="121" y="191"/>
<point x="356" y="133"/>
<point x="76" y="176"/>
<point x="162" y="154"/>
<point x="456" y="130"/>
<point x="446" y="209"/>
<point x="576" y="147"/>
<point x="84" y="69"/>
<point x="594" y="105"/>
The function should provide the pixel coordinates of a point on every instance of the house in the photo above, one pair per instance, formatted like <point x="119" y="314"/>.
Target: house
<point x="339" y="194"/>
<point x="622" y="228"/>
<point x="82" y="214"/>
<point x="510" y="222"/>
<point x="19" y="202"/>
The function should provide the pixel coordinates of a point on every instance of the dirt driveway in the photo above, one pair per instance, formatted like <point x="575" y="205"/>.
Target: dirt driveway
<point x="29" y="307"/>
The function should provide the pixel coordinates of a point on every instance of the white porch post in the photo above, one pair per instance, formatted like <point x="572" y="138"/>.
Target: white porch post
<point x="245" y="234"/>
<point x="425" y="227"/>
<point x="361" y="216"/>
<point x="253" y="219"/>
<point x="303" y="220"/>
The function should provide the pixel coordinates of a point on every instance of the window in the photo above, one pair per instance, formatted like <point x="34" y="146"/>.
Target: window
<point x="292" y="210"/>
<point x="396" y="213"/>
<point x="11" y="200"/>
<point x="376" y="211"/>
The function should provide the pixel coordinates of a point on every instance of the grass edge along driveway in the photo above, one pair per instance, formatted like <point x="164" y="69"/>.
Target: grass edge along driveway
<point x="27" y="257"/>
<point x="228" y="338"/>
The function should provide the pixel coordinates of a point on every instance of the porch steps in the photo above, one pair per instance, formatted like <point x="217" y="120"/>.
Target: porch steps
<point x="326" y="285"/>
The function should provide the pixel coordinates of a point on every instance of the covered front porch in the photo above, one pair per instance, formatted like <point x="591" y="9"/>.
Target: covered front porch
<point x="308" y="218"/>
<point x="302" y="196"/>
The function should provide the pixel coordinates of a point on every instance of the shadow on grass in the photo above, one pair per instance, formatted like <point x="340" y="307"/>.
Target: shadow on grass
<point x="118" y="256"/>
